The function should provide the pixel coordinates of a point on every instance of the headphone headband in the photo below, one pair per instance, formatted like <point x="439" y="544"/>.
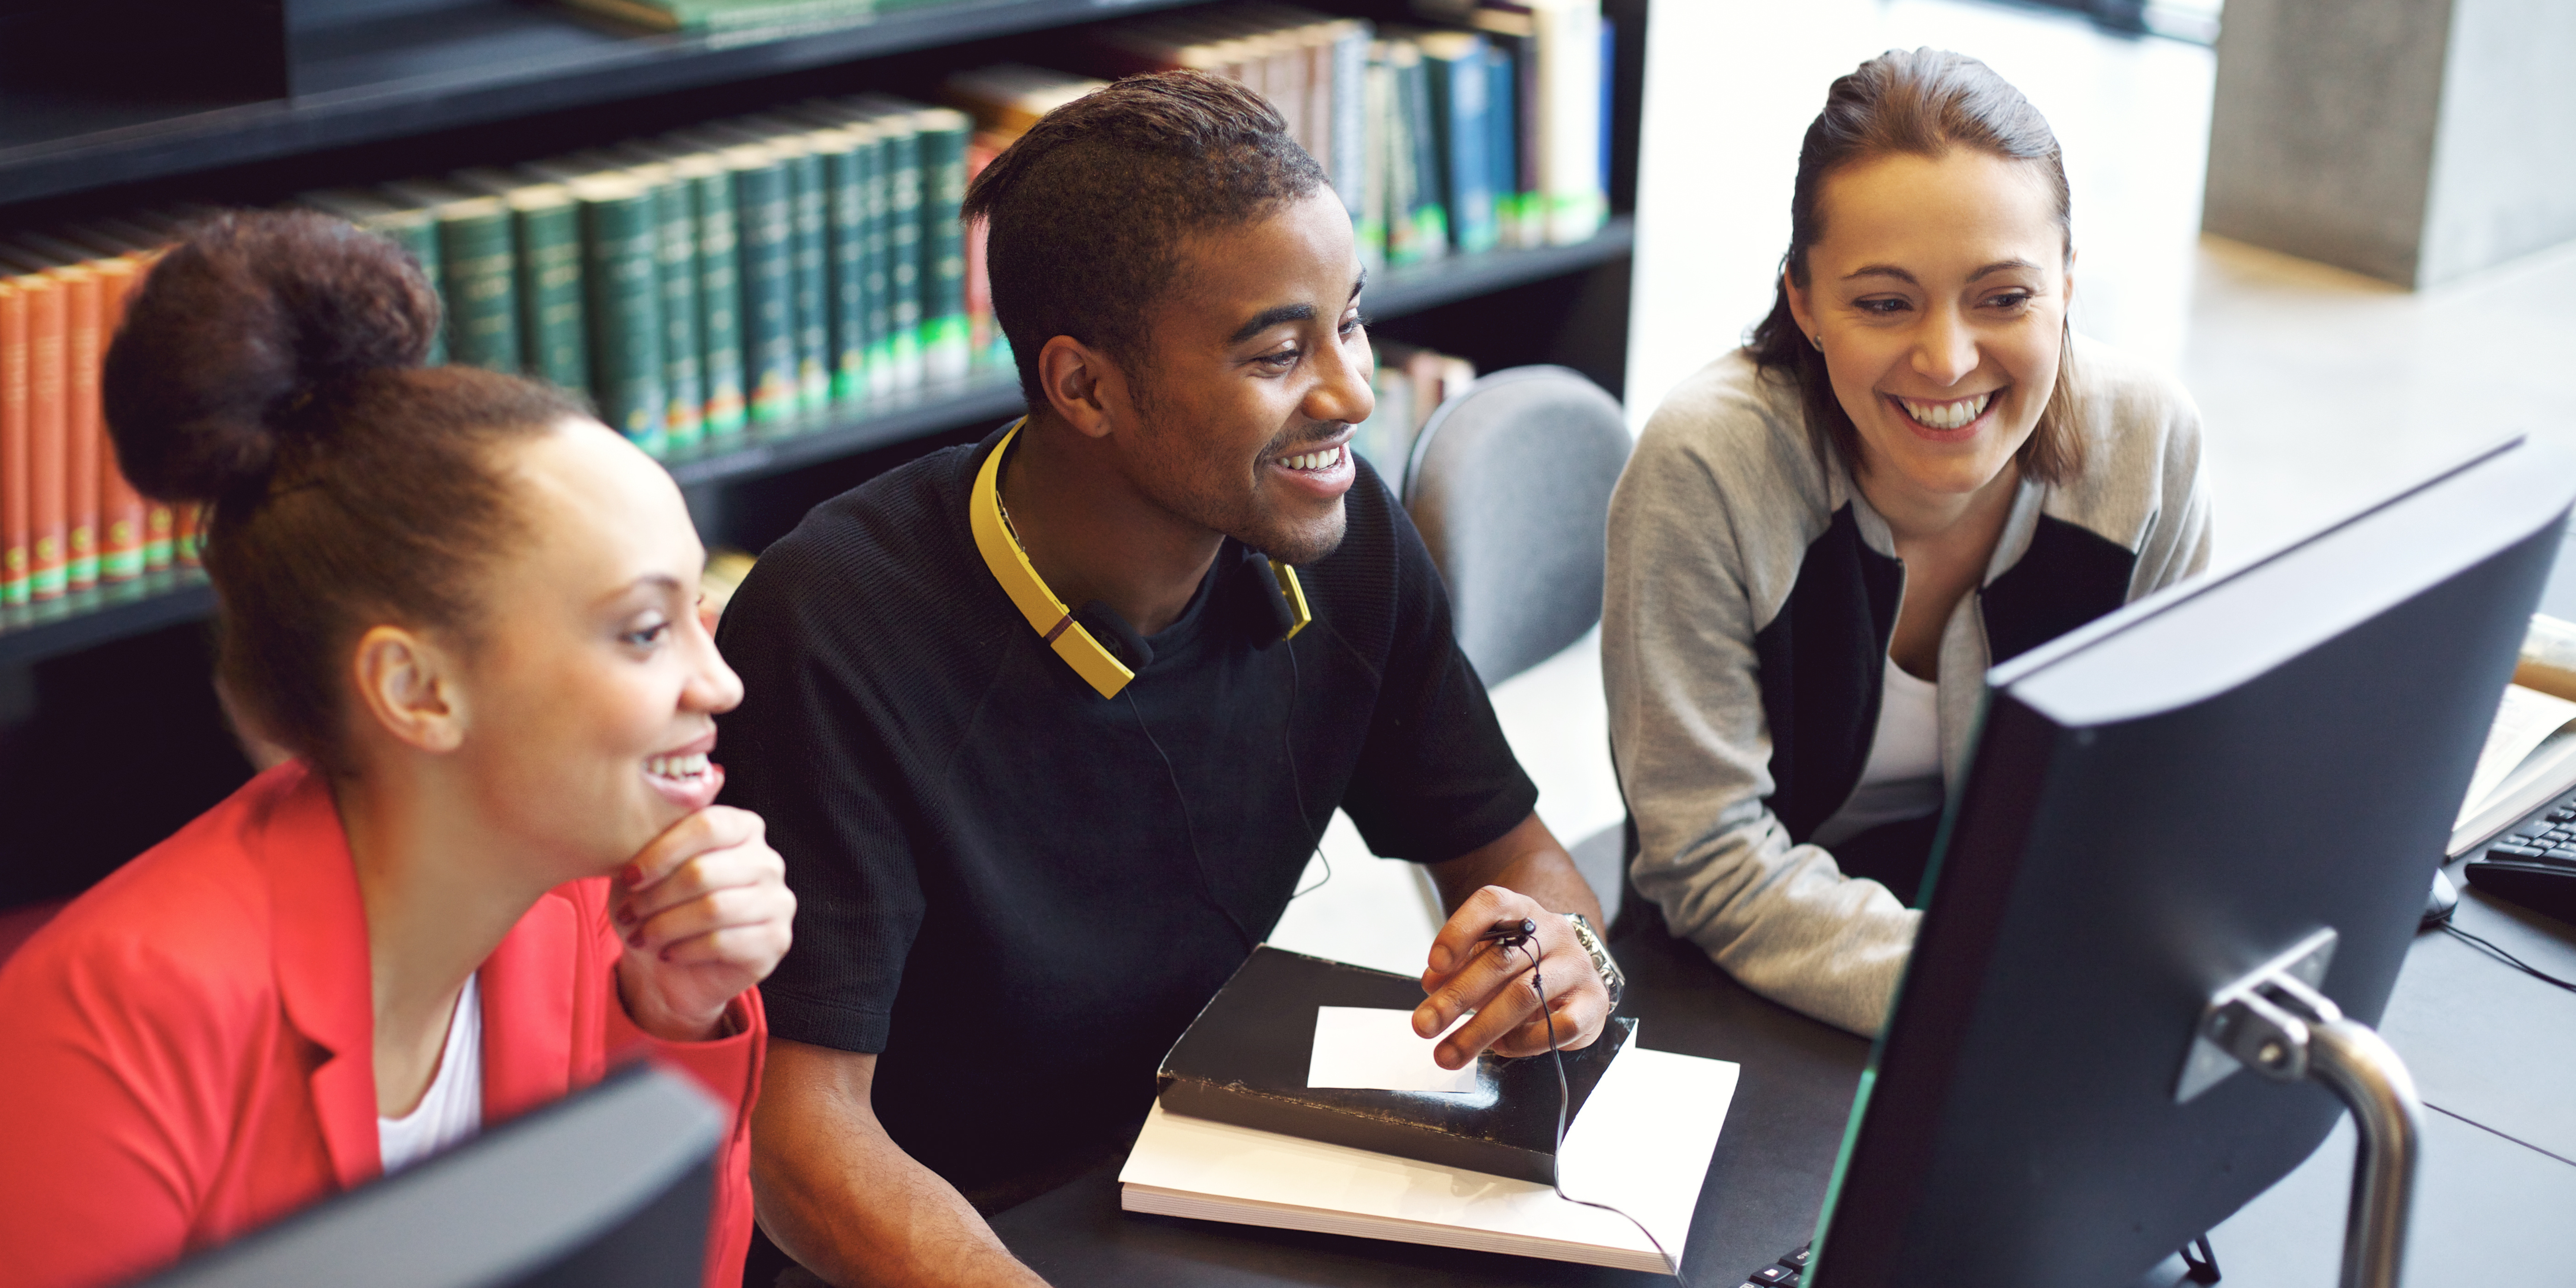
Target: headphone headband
<point x="1046" y="614"/>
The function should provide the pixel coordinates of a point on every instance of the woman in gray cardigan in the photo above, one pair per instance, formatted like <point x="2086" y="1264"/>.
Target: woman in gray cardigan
<point x="1824" y="539"/>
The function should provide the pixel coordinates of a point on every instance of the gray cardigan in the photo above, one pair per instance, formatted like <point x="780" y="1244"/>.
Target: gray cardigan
<point x="1751" y="591"/>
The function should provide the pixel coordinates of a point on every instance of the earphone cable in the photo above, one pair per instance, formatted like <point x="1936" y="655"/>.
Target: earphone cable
<point x="1296" y="698"/>
<point x="2509" y="959"/>
<point x="1189" y="829"/>
<point x="1564" y="1102"/>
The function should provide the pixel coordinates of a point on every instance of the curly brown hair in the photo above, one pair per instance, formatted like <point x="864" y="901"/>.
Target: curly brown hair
<point x="1920" y="102"/>
<point x="270" y="365"/>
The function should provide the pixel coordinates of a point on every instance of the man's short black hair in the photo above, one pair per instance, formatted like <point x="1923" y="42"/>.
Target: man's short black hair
<point x="1088" y="209"/>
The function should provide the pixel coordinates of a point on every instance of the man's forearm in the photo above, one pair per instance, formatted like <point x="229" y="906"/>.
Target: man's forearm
<point x="836" y="1193"/>
<point x="1526" y="859"/>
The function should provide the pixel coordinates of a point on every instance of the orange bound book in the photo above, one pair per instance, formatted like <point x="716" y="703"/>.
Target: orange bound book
<point x="48" y="448"/>
<point x="123" y="518"/>
<point x="15" y="523"/>
<point x="83" y="439"/>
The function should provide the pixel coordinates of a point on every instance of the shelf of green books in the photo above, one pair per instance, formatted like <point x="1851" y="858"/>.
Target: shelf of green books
<point x="991" y="394"/>
<point x="414" y="73"/>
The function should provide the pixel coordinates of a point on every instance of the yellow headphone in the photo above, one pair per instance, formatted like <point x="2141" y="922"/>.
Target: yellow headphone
<point x="1047" y="614"/>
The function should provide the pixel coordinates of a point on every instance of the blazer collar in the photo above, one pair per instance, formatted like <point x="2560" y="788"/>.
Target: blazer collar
<point x="323" y="975"/>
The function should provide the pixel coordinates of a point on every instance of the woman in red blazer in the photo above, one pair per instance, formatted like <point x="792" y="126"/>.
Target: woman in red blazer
<point x="491" y="871"/>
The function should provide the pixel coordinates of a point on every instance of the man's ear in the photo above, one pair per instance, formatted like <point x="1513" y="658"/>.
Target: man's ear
<point x="1082" y="385"/>
<point x="409" y="686"/>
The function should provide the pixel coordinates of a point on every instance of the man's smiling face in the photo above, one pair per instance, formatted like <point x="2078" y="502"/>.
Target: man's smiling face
<point x="1256" y="367"/>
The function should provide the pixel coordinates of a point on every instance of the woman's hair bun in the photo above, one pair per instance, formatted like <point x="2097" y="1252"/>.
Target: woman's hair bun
<point x="237" y="333"/>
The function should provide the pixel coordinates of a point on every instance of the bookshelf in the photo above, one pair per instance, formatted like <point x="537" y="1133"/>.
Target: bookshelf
<point x="109" y="735"/>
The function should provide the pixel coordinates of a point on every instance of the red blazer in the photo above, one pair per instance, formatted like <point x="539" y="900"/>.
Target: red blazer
<point x="187" y="1052"/>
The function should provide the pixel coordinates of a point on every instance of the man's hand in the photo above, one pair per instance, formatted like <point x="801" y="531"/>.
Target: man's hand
<point x="706" y="912"/>
<point x="1497" y="983"/>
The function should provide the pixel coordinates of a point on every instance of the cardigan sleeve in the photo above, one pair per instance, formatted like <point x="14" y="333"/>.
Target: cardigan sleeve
<point x="1689" y="734"/>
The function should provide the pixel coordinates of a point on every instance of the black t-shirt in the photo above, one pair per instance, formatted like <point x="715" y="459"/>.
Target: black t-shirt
<point x="1004" y="888"/>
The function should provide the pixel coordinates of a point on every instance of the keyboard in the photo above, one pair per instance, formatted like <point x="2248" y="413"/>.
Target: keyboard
<point x="2533" y="862"/>
<point x="1783" y="1273"/>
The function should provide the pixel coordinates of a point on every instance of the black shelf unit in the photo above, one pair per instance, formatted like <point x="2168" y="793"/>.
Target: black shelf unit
<point x="110" y="736"/>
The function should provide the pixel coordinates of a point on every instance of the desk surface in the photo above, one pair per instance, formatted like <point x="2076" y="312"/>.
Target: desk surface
<point x="2492" y="1051"/>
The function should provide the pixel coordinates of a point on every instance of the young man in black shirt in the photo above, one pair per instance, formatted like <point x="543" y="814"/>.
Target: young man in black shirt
<point x="1029" y="843"/>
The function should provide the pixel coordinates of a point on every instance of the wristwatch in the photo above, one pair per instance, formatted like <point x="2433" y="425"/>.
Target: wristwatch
<point x="1590" y="940"/>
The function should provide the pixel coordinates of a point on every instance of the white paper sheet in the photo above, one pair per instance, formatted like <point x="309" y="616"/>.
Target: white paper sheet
<point x="1642" y="1143"/>
<point x="1364" y="1047"/>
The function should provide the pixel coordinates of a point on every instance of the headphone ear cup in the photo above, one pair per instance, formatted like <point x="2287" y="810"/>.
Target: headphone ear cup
<point x="1115" y="634"/>
<point x="1268" y="618"/>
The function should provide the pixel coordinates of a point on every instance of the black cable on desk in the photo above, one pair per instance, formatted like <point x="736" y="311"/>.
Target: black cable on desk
<point x="2509" y="959"/>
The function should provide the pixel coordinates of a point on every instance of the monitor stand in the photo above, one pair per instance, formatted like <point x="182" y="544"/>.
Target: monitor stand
<point x="2274" y="1021"/>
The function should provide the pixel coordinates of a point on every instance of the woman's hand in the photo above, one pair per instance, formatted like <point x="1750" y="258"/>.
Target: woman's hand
<point x="1468" y="974"/>
<point x="706" y="913"/>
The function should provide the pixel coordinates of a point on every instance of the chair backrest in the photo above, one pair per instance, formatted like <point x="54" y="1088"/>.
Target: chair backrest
<point x="1510" y="484"/>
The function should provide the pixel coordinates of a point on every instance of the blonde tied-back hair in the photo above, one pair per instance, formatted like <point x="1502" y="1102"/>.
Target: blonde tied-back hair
<point x="1920" y="102"/>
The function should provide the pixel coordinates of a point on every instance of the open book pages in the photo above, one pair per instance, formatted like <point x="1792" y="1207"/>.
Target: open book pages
<point x="1642" y="1144"/>
<point x="2529" y="757"/>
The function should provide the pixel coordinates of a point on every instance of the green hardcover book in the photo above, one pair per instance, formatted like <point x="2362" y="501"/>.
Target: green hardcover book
<point x="808" y="172"/>
<point x="684" y="395"/>
<point x="947" y="343"/>
<point x="709" y="182"/>
<point x="764" y="227"/>
<point x="848" y="154"/>
<point x="1417" y="163"/>
<point x="410" y="226"/>
<point x="553" y="332"/>
<point x="1377" y="205"/>
<point x="621" y="262"/>
<point x="478" y="272"/>
<point x="900" y="157"/>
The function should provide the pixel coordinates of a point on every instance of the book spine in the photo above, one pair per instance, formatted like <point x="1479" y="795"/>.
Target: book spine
<point x="479" y="268"/>
<point x="1350" y="58"/>
<point x="845" y="182"/>
<point x="1404" y="234"/>
<point x="551" y="307"/>
<point x="420" y="237"/>
<point x="16" y="525"/>
<point x="48" y="442"/>
<point x="622" y="267"/>
<point x="675" y="254"/>
<point x="903" y="273"/>
<point x="1502" y="145"/>
<point x="1430" y="210"/>
<point x="947" y="347"/>
<point x="876" y="163"/>
<point x="720" y="301"/>
<point x="83" y="346"/>
<point x="1458" y="101"/>
<point x="982" y="330"/>
<point x="1569" y="41"/>
<point x="766" y="226"/>
<point x="813" y="281"/>
<point x="124" y="520"/>
<point x="1531" y="143"/>
<point x="1377" y="152"/>
<point x="187" y="536"/>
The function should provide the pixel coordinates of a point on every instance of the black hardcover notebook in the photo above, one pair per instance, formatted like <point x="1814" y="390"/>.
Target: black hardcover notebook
<point x="1244" y="1061"/>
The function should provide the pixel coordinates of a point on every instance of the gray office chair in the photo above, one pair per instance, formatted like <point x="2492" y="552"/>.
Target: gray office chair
<point x="1510" y="484"/>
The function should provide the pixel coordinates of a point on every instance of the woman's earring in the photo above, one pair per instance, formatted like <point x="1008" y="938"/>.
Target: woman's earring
<point x="1818" y="339"/>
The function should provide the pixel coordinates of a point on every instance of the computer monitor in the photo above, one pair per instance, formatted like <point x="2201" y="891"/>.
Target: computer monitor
<point x="2158" y="804"/>
<point x="609" y="1186"/>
